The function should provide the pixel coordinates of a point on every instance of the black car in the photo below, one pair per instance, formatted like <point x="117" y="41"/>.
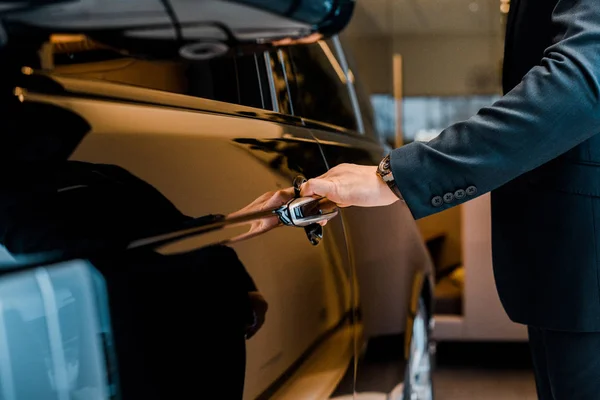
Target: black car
<point x="154" y="242"/>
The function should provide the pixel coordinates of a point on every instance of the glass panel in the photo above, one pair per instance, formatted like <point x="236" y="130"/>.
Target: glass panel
<point x="385" y="116"/>
<point x="372" y="129"/>
<point x="321" y="93"/>
<point x="426" y="117"/>
<point x="228" y="79"/>
<point x="280" y="65"/>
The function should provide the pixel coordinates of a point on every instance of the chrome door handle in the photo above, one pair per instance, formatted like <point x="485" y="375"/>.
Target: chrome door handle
<point x="305" y="211"/>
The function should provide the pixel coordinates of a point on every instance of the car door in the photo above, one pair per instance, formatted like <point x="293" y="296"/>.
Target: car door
<point x="160" y="180"/>
<point x="391" y="262"/>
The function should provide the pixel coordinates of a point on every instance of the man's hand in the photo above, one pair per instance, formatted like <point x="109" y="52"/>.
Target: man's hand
<point x="351" y="185"/>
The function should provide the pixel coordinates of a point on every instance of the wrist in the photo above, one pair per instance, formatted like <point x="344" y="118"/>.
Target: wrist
<point x="384" y="171"/>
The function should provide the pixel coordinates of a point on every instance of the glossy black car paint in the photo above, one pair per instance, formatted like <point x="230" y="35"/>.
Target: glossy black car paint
<point x="116" y="161"/>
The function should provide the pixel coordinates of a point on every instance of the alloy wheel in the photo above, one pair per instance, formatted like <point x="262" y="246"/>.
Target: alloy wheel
<point x="418" y="378"/>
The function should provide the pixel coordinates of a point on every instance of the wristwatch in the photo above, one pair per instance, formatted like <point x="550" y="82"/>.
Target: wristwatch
<point x="385" y="172"/>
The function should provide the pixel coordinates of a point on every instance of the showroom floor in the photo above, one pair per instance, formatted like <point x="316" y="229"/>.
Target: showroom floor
<point x="464" y="371"/>
<point x="483" y="371"/>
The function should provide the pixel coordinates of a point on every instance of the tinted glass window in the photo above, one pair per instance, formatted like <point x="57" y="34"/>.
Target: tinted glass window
<point x="281" y="67"/>
<point x="230" y="79"/>
<point x="364" y="102"/>
<point x="319" y="90"/>
<point x="366" y="110"/>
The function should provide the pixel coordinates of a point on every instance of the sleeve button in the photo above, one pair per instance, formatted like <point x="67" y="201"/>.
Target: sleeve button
<point x="437" y="201"/>
<point x="471" y="190"/>
<point x="460" y="194"/>
<point x="448" y="198"/>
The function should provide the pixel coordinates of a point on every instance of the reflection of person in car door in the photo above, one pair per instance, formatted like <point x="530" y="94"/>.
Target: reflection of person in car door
<point x="165" y="309"/>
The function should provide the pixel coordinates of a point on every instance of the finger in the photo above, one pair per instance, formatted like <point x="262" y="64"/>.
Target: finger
<point x="256" y="204"/>
<point x="279" y="198"/>
<point x="317" y="187"/>
<point x="261" y="199"/>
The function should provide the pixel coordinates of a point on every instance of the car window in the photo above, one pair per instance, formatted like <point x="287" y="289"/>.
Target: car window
<point x="319" y="90"/>
<point x="229" y="79"/>
<point x="364" y="102"/>
<point x="281" y="68"/>
<point x="366" y="109"/>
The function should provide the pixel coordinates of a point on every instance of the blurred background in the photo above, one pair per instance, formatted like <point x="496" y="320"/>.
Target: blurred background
<point x="443" y="58"/>
<point x="425" y="65"/>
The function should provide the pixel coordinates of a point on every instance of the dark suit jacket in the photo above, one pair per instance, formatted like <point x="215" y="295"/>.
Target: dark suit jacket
<point x="537" y="150"/>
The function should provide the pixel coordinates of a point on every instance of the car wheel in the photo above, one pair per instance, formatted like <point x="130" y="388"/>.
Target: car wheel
<point x="418" y="383"/>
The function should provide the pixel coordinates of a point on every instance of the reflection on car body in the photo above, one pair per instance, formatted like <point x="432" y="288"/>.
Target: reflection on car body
<point x="146" y="207"/>
<point x="101" y="210"/>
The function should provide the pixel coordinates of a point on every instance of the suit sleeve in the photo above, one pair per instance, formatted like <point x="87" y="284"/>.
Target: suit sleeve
<point x="554" y="108"/>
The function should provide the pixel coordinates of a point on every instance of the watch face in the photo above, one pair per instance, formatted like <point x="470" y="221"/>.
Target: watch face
<point x="384" y="165"/>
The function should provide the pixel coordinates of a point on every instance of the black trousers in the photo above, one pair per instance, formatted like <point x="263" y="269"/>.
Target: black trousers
<point x="566" y="364"/>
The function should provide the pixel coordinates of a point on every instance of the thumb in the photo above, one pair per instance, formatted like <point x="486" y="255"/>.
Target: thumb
<point x="316" y="187"/>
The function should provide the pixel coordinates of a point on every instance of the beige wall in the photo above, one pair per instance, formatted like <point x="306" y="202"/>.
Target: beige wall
<point x="449" y="65"/>
<point x="434" y="65"/>
<point x="373" y="59"/>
